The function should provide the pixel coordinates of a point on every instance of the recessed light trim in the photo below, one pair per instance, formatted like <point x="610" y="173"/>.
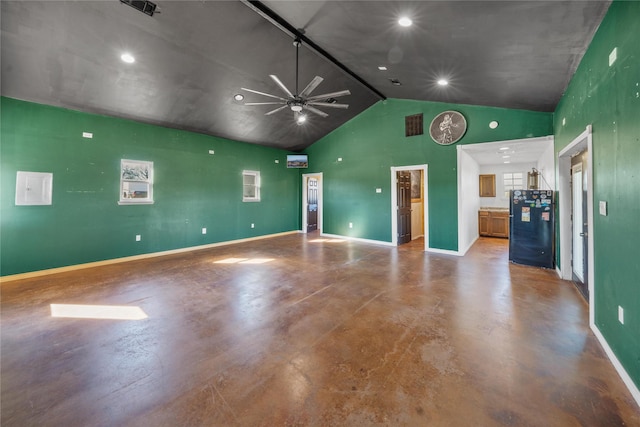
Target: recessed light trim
<point x="382" y="68"/>
<point x="443" y="82"/>
<point x="128" y="58"/>
<point x="493" y="125"/>
<point x="405" y="21"/>
<point x="504" y="148"/>
<point x="238" y="97"/>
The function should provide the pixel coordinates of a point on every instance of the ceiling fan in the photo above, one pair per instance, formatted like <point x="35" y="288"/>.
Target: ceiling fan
<point x="301" y="101"/>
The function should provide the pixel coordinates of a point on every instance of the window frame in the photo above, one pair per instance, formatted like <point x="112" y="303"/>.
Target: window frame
<point x="140" y="166"/>
<point x="511" y="185"/>
<point x="256" y="185"/>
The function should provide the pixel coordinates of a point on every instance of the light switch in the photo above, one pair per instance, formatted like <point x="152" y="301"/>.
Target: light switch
<point x="603" y="208"/>
<point x="378" y="190"/>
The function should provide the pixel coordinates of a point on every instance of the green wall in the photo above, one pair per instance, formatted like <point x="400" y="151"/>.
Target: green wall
<point x="192" y="189"/>
<point x="374" y="141"/>
<point x="609" y="99"/>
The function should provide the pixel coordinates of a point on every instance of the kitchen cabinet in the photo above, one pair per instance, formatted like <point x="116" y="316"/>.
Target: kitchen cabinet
<point x="487" y="185"/>
<point x="493" y="223"/>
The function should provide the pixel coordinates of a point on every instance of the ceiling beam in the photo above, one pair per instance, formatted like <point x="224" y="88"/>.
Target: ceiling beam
<point x="279" y="22"/>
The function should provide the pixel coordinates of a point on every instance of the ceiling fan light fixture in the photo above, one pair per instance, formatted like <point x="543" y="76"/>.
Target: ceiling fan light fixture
<point x="301" y="119"/>
<point x="296" y="108"/>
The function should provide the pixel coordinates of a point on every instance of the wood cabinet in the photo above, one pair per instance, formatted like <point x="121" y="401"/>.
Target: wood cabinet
<point x="487" y="186"/>
<point x="493" y="223"/>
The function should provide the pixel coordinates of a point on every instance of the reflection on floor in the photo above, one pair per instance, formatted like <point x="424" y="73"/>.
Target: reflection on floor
<point x="324" y="334"/>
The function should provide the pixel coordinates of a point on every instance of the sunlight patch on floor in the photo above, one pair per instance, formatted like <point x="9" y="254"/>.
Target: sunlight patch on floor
<point x="244" y="261"/>
<point x="83" y="311"/>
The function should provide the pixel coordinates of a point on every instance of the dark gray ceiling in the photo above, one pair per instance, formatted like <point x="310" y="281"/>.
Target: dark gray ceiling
<point x="193" y="56"/>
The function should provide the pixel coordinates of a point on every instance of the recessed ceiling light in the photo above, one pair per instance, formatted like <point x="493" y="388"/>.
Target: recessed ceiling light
<point x="395" y="82"/>
<point x="238" y="97"/>
<point x="493" y="125"/>
<point x="443" y="82"/>
<point x="504" y="148"/>
<point x="405" y="22"/>
<point x="505" y="157"/>
<point x="128" y="58"/>
<point x="507" y="161"/>
<point x="382" y="68"/>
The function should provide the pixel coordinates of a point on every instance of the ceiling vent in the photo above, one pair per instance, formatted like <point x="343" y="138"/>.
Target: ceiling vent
<point x="413" y="125"/>
<point x="143" y="6"/>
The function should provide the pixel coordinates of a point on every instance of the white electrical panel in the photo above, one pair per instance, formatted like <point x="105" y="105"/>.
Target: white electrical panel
<point x="33" y="188"/>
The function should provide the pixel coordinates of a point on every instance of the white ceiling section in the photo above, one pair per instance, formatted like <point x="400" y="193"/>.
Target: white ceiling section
<point x="192" y="57"/>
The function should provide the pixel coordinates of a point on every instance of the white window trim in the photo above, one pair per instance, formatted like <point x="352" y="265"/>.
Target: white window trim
<point x="255" y="174"/>
<point x="149" y="181"/>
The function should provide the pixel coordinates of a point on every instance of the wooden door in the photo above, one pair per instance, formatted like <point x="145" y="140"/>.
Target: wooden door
<point x="312" y="204"/>
<point x="404" y="206"/>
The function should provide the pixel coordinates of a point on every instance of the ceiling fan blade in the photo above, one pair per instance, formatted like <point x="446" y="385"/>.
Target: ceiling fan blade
<point x="264" y="103"/>
<point x="329" y="95"/>
<point x="276" y="110"/>
<point x="262" y="93"/>
<point x="315" y="110"/>
<point x="328" y="104"/>
<point x="282" y="86"/>
<point x="311" y="86"/>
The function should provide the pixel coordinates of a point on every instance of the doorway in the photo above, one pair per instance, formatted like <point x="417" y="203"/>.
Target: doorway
<point x="312" y="202"/>
<point x="579" y="233"/>
<point x="575" y="198"/>
<point x="409" y="210"/>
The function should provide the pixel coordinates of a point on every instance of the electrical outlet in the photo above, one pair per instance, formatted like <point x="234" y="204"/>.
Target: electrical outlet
<point x="378" y="190"/>
<point x="87" y="135"/>
<point x="350" y="225"/>
<point x="212" y="152"/>
<point x="621" y="314"/>
<point x="138" y="237"/>
<point x="204" y="230"/>
<point x="253" y="225"/>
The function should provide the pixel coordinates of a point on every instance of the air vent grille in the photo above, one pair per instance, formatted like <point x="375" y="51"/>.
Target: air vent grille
<point x="143" y="6"/>
<point x="413" y="125"/>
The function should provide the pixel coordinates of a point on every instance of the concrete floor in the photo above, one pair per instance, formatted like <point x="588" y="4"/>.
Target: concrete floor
<point x="326" y="333"/>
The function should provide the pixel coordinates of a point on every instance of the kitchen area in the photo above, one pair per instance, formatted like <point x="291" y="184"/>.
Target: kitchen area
<point x="489" y="174"/>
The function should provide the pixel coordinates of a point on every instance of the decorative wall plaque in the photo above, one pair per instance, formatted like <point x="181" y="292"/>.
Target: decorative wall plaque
<point x="448" y="127"/>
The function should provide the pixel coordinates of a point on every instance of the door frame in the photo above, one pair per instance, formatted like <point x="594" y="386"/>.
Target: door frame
<point x="582" y="142"/>
<point x="317" y="175"/>
<point x="394" y="202"/>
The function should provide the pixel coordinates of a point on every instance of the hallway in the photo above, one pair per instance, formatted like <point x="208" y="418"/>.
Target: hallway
<point x="310" y="331"/>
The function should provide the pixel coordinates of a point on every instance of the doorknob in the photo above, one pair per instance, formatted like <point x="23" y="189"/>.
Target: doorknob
<point x="583" y="234"/>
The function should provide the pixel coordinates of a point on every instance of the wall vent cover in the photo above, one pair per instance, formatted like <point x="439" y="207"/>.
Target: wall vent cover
<point x="413" y="125"/>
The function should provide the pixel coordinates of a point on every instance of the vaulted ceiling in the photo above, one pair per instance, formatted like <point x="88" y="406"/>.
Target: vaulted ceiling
<point x="192" y="57"/>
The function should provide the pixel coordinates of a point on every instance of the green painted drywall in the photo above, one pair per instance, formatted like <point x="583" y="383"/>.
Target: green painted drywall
<point x="609" y="99"/>
<point x="192" y="189"/>
<point x="374" y="141"/>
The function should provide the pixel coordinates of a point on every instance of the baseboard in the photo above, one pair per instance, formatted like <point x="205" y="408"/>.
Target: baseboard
<point x="444" y="251"/>
<point x="635" y="392"/>
<point x="464" y="252"/>
<point x="358" y="239"/>
<point x="28" y="275"/>
<point x="558" y="272"/>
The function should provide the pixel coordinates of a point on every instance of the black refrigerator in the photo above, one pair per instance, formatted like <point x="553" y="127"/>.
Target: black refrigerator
<point x="531" y="228"/>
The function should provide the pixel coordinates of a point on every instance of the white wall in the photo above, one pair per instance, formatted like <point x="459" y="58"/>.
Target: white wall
<point x="468" y="199"/>
<point x="502" y="201"/>
<point x="546" y="167"/>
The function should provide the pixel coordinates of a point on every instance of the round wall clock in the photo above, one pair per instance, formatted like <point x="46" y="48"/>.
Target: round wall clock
<point x="448" y="127"/>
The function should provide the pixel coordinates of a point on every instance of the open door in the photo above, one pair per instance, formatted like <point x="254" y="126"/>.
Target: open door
<point x="312" y="204"/>
<point x="579" y="226"/>
<point x="403" y="186"/>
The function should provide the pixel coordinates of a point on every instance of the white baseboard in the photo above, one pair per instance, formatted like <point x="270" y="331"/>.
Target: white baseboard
<point x="635" y="392"/>
<point x="465" y="250"/>
<point x="38" y="273"/>
<point x="358" y="239"/>
<point x="444" y="251"/>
